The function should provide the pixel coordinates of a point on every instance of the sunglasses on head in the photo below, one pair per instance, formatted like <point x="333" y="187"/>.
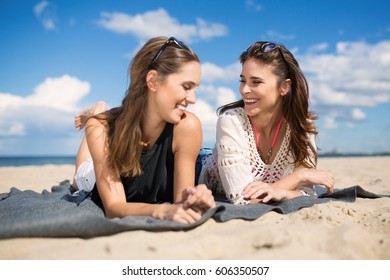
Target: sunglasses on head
<point x="172" y="41"/>
<point x="269" y="47"/>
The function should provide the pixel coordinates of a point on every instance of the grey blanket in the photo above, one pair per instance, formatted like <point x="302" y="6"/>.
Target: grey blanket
<point x="57" y="213"/>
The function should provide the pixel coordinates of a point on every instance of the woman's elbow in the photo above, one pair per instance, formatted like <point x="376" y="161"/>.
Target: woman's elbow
<point x="111" y="211"/>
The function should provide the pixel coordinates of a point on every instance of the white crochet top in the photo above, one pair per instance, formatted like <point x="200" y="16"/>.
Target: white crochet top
<point x="235" y="161"/>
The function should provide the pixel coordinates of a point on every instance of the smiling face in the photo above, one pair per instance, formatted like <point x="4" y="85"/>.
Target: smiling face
<point x="259" y="88"/>
<point x="176" y="92"/>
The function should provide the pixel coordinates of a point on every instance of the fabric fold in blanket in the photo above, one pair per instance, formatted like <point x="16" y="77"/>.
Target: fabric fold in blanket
<point x="60" y="214"/>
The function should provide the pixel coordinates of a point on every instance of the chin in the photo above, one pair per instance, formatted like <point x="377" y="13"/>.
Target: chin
<point x="176" y="119"/>
<point x="250" y="112"/>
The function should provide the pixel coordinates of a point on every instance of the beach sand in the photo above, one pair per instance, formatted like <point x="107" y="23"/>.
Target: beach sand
<point x="331" y="231"/>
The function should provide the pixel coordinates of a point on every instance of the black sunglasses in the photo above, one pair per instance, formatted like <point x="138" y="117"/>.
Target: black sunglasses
<point x="269" y="47"/>
<point x="172" y="41"/>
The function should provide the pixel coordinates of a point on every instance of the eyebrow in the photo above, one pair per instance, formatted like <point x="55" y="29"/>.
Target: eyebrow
<point x="252" y="78"/>
<point x="190" y="82"/>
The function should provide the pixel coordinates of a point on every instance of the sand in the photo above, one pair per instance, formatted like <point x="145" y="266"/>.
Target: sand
<point x="331" y="231"/>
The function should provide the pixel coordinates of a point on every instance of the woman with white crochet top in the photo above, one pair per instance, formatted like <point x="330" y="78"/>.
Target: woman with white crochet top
<point x="265" y="144"/>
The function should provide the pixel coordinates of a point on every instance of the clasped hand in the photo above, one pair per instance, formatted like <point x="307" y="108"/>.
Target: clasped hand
<point x="195" y="202"/>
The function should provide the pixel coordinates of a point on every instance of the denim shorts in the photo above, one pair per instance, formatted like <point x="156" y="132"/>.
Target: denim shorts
<point x="203" y="153"/>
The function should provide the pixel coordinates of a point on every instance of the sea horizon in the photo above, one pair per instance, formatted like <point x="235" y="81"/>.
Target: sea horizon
<point x="28" y="160"/>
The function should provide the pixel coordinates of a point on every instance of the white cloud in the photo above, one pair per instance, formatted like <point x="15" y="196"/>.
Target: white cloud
<point x="204" y="111"/>
<point x="208" y="100"/>
<point x="330" y="122"/>
<point x="12" y="129"/>
<point x="39" y="8"/>
<point x="253" y="6"/>
<point x="7" y="100"/>
<point x="319" y="47"/>
<point x="225" y="95"/>
<point x="49" y="24"/>
<point x="208" y="118"/>
<point x="358" y="114"/>
<point x="159" y="22"/>
<point x="61" y="93"/>
<point x="357" y="75"/>
<point x="207" y="30"/>
<point x="47" y="109"/>
<point x="217" y="96"/>
<point x="212" y="72"/>
<point x="332" y="117"/>
<point x="45" y="12"/>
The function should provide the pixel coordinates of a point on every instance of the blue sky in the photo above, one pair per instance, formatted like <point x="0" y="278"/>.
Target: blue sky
<point x="59" y="56"/>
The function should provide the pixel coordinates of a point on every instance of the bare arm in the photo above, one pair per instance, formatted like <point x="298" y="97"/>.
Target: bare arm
<point x="187" y="141"/>
<point x="306" y="176"/>
<point x="111" y="189"/>
<point x="286" y="188"/>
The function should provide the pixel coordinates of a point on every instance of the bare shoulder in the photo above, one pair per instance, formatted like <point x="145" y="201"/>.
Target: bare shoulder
<point x="187" y="133"/>
<point x="189" y="122"/>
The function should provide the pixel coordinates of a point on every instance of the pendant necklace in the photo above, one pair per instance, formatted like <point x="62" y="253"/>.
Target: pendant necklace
<point x="257" y="138"/>
<point x="145" y="144"/>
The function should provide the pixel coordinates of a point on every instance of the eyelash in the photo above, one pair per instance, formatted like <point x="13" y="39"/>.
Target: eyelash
<point x="254" y="82"/>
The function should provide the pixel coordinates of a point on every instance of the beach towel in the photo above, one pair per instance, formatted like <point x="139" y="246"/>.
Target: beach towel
<point x="58" y="213"/>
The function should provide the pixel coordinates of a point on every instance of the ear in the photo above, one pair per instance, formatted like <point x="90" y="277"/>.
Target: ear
<point x="285" y="87"/>
<point x="152" y="79"/>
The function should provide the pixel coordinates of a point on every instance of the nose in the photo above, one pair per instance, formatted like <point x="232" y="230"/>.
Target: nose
<point x="244" y="88"/>
<point x="190" y="98"/>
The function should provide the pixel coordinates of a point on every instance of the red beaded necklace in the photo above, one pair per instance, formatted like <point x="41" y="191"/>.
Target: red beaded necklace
<point x="257" y="138"/>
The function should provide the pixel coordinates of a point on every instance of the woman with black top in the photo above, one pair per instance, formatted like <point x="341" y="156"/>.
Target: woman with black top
<point x="139" y="159"/>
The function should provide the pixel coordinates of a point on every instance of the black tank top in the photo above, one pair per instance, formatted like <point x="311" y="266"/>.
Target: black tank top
<point x="155" y="184"/>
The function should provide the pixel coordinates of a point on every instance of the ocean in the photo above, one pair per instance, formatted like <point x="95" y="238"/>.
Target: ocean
<point x="35" y="160"/>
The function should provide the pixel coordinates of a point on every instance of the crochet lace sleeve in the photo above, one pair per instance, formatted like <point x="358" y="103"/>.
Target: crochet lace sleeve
<point x="233" y="159"/>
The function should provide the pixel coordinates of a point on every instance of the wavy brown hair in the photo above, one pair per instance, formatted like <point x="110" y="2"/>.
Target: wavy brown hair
<point x="124" y="122"/>
<point x="295" y="104"/>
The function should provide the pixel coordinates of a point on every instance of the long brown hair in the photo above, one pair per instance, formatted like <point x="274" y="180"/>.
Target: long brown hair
<point x="295" y="104"/>
<point x="124" y="122"/>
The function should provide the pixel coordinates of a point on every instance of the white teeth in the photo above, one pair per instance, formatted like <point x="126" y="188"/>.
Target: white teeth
<point x="250" y="100"/>
<point x="181" y="107"/>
